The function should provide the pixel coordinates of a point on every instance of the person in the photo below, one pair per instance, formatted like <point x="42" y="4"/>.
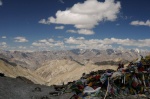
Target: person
<point x="120" y="65"/>
<point x="140" y="67"/>
<point x="130" y="64"/>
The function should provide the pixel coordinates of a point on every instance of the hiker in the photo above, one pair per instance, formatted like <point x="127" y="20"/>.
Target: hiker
<point x="120" y="66"/>
<point x="140" y="67"/>
<point x="130" y="64"/>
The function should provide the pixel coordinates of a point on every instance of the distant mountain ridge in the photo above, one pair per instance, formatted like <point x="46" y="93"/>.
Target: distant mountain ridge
<point x="34" y="60"/>
<point x="57" y="67"/>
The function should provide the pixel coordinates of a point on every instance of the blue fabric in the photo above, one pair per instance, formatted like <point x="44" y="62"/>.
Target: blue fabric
<point x="139" y="65"/>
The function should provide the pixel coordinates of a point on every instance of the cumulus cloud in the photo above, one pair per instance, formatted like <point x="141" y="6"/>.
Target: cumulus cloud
<point x="20" y="39"/>
<point x="3" y="44"/>
<point x="4" y="37"/>
<point x="72" y="40"/>
<point x="86" y="15"/>
<point x="43" y="21"/>
<point x="85" y="32"/>
<point x="127" y="42"/>
<point x="106" y="43"/>
<point x="82" y="31"/>
<point x="48" y="43"/>
<point x="1" y="3"/>
<point x="59" y="27"/>
<point x="71" y="31"/>
<point x="138" y="23"/>
<point x="83" y="43"/>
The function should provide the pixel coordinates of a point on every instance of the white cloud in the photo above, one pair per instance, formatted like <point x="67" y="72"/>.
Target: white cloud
<point x="51" y="40"/>
<point x="86" y="15"/>
<point x="4" y="37"/>
<point x="80" y="38"/>
<point x="43" y="41"/>
<point x="71" y="31"/>
<point x="127" y="42"/>
<point x="59" y="44"/>
<point x="43" y="21"/>
<point x="125" y="17"/>
<point x="137" y="23"/>
<point x="22" y="47"/>
<point x="20" y="39"/>
<point x="61" y="1"/>
<point x="59" y="27"/>
<point x="85" y="32"/>
<point x="3" y="45"/>
<point x="106" y="43"/>
<point x="72" y="40"/>
<point x="83" y="43"/>
<point x="1" y="3"/>
<point x="48" y="43"/>
<point x="82" y="31"/>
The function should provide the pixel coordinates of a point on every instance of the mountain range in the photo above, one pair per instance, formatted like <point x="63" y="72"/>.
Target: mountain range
<point x="57" y="67"/>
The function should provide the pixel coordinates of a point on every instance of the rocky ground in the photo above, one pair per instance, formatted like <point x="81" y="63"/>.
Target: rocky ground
<point x="17" y="88"/>
<point x="11" y="88"/>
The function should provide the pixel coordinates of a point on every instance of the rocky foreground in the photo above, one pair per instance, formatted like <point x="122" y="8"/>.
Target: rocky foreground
<point x="21" y="88"/>
<point x="27" y="84"/>
<point x="101" y="84"/>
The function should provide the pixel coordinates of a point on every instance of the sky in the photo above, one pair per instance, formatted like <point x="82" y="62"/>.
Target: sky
<point x="34" y="25"/>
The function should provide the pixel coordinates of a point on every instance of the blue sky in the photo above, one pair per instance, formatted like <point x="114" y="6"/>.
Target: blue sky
<point x="67" y="24"/>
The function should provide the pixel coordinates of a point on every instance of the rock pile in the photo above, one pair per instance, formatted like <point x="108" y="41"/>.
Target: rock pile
<point x="132" y="83"/>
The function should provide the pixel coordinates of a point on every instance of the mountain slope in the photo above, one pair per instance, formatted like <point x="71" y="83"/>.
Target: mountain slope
<point x="14" y="71"/>
<point x="63" y="71"/>
<point x="34" y="60"/>
<point x="57" y="67"/>
<point x="52" y="72"/>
